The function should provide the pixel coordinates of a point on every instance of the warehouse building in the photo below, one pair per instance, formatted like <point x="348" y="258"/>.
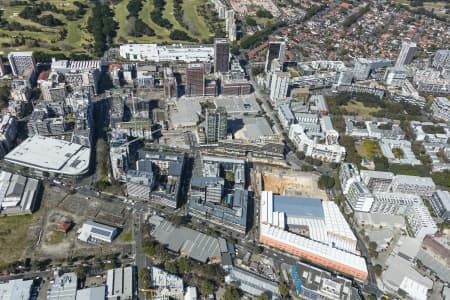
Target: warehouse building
<point x="93" y="232"/>
<point x="67" y="159"/>
<point x="313" y="229"/>
<point x="94" y="293"/>
<point x="64" y="287"/>
<point x="121" y="283"/>
<point x="186" y="241"/>
<point x="252" y="284"/>
<point x="17" y="289"/>
<point x="18" y="194"/>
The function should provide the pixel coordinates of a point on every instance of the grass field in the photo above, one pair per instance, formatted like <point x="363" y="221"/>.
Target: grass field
<point x="49" y="38"/>
<point x="190" y="13"/>
<point x="15" y="236"/>
<point x="359" y="109"/>
<point x="56" y="237"/>
<point x="368" y="149"/>
<point x="79" y="40"/>
<point x="201" y="31"/>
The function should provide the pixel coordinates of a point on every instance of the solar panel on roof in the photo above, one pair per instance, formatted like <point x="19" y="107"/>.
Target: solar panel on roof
<point x="100" y="232"/>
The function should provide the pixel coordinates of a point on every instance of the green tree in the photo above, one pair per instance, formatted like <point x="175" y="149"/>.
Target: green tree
<point x="171" y="267"/>
<point x="250" y="21"/>
<point x="4" y="95"/>
<point x="144" y="279"/>
<point x="231" y="293"/>
<point x="262" y="13"/>
<point x="300" y="155"/>
<point x="378" y="269"/>
<point x="263" y="296"/>
<point x="326" y="182"/>
<point x="206" y="288"/>
<point x="184" y="265"/>
<point x="283" y="290"/>
<point x="82" y="272"/>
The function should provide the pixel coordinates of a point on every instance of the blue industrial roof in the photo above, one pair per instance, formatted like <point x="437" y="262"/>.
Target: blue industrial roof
<point x="295" y="206"/>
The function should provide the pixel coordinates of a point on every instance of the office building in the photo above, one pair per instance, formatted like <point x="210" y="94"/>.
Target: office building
<point x="120" y="283"/>
<point x="311" y="282"/>
<point x="64" y="287"/>
<point x="93" y="232"/>
<point x="364" y="67"/>
<point x="195" y="80"/>
<point x="406" y="54"/>
<point x="140" y="184"/>
<point x="377" y="181"/>
<point x="8" y="133"/>
<point x="21" y="62"/>
<point x="216" y="125"/>
<point x="279" y="87"/>
<point x="395" y="76"/>
<point x="420" y="221"/>
<point x="304" y="136"/>
<point x="312" y="229"/>
<point x="359" y="197"/>
<point x="165" y="285"/>
<point x="348" y="174"/>
<point x="169" y="168"/>
<point x="441" y="108"/>
<point x="422" y="186"/>
<point x="170" y="84"/>
<point x="208" y="197"/>
<point x="440" y="201"/>
<point x="52" y="89"/>
<point x="17" y="289"/>
<point x="388" y="203"/>
<point x="441" y="59"/>
<point x="275" y="50"/>
<point x="221" y="55"/>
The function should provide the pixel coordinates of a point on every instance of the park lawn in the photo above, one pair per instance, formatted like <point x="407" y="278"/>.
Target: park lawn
<point x="359" y="109"/>
<point x="120" y="15"/>
<point x="14" y="236"/>
<point x="367" y="149"/>
<point x="190" y="12"/>
<point x="75" y="41"/>
<point x="169" y="15"/>
<point x="77" y="34"/>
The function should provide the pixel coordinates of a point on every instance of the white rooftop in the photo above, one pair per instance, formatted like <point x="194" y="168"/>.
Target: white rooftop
<point x="17" y="289"/>
<point x="52" y="155"/>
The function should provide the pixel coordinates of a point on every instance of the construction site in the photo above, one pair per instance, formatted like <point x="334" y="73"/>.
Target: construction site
<point x="288" y="183"/>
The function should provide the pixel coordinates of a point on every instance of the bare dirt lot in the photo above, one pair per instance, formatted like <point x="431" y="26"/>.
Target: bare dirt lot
<point x="78" y="209"/>
<point x="293" y="183"/>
